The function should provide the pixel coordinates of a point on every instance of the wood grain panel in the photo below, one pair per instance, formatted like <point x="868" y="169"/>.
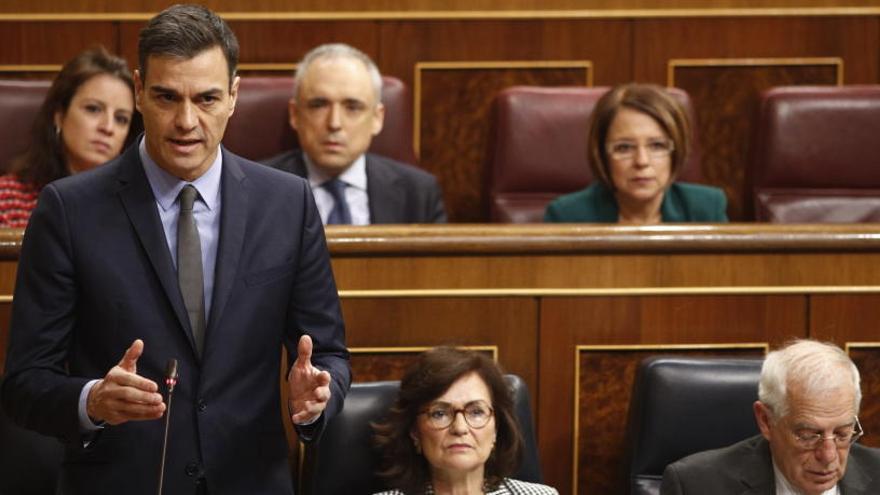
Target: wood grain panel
<point x="389" y="363"/>
<point x="605" y="374"/>
<point x="567" y="322"/>
<point x="508" y="323"/>
<point x="52" y="42"/>
<point x="723" y="98"/>
<point x="606" y="271"/>
<point x="867" y="359"/>
<point x="725" y="95"/>
<point x="462" y="97"/>
<point x="399" y="6"/>
<point x="845" y="318"/>
<point x="852" y="320"/>
<point x="279" y="42"/>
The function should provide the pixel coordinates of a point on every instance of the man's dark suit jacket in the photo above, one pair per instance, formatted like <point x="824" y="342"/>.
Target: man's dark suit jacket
<point x="745" y="468"/>
<point x="95" y="273"/>
<point x="397" y="192"/>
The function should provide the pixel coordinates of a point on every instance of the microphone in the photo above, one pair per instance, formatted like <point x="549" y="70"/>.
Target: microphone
<point x="170" y="382"/>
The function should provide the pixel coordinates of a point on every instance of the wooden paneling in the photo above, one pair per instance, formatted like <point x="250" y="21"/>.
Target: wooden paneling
<point x="30" y="43"/>
<point x="853" y="319"/>
<point x="603" y="374"/>
<point x="390" y="363"/>
<point x="464" y="95"/>
<point x="510" y="324"/>
<point x="537" y="293"/>
<point x="845" y="318"/>
<point x="727" y="129"/>
<point x="724" y="96"/>
<point x="867" y="359"/>
<point x="390" y="7"/>
<point x="568" y="322"/>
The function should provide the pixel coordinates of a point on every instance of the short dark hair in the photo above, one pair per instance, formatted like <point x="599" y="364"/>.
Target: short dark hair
<point x="44" y="161"/>
<point x="431" y="375"/>
<point x="185" y="31"/>
<point x="649" y="99"/>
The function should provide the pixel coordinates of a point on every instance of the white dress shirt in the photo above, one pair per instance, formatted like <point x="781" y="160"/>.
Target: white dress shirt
<point x="783" y="487"/>
<point x="355" y="178"/>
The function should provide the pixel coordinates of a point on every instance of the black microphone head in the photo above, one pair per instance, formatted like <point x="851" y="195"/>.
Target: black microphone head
<point x="171" y="374"/>
<point x="171" y="369"/>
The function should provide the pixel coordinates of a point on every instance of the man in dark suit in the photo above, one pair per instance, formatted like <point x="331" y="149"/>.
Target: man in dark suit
<point x="807" y="412"/>
<point x="336" y="110"/>
<point x="177" y="249"/>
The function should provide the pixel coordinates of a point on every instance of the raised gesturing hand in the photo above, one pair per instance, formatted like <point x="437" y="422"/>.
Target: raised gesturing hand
<point x="122" y="395"/>
<point x="309" y="386"/>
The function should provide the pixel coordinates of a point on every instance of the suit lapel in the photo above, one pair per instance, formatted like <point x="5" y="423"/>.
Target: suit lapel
<point x="297" y="164"/>
<point x="386" y="204"/>
<point x="233" y="223"/>
<point x="140" y="206"/>
<point x="756" y="470"/>
<point x="856" y="480"/>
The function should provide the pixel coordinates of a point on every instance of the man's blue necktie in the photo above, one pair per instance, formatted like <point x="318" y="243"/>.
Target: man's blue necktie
<point x="339" y="215"/>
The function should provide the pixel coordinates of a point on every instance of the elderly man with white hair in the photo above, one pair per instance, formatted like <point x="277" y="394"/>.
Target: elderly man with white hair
<point x="807" y="412"/>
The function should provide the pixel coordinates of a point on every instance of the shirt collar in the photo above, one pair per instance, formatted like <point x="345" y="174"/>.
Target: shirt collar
<point x="783" y="487"/>
<point x="354" y="176"/>
<point x="166" y="187"/>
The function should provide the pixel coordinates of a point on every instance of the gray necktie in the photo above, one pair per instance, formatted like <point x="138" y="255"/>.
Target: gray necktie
<point x="339" y="215"/>
<point x="189" y="266"/>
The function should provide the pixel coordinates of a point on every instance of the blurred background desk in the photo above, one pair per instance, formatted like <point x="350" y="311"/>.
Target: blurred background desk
<point x="573" y="309"/>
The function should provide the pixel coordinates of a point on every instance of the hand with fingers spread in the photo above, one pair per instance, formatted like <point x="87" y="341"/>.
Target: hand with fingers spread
<point x="309" y="386"/>
<point x="122" y="395"/>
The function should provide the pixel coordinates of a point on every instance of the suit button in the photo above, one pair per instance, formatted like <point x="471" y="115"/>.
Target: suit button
<point x="202" y="406"/>
<point x="191" y="469"/>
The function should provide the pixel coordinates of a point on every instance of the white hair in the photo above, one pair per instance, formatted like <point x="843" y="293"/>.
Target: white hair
<point x="337" y="51"/>
<point x="820" y="368"/>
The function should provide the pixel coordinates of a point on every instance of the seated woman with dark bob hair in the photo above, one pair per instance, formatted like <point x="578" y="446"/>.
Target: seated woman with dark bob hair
<point x="453" y="429"/>
<point x="638" y="142"/>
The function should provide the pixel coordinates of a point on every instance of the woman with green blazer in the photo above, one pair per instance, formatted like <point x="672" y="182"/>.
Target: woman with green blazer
<point x="638" y="141"/>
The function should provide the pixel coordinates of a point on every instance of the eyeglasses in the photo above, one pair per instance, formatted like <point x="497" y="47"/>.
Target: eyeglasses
<point x="843" y="437"/>
<point x="441" y="415"/>
<point x="627" y="150"/>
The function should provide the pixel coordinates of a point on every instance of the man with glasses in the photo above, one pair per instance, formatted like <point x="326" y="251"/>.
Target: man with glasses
<point x="807" y="412"/>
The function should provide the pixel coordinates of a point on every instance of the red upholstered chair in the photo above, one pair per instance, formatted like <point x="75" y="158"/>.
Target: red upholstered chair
<point x="813" y="156"/>
<point x="538" y="148"/>
<point x="260" y="128"/>
<point x="19" y="103"/>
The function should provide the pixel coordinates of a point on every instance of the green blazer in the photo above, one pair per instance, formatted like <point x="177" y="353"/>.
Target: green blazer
<point x="682" y="202"/>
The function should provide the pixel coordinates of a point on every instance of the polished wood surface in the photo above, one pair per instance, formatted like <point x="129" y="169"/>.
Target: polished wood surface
<point x="389" y="7"/>
<point x="574" y="308"/>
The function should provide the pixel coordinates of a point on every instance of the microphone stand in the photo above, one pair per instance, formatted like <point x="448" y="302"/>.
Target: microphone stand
<point x="170" y="382"/>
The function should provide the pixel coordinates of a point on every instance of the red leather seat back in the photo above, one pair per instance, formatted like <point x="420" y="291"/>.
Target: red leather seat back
<point x="260" y="127"/>
<point x="538" y="148"/>
<point x="19" y="103"/>
<point x="813" y="157"/>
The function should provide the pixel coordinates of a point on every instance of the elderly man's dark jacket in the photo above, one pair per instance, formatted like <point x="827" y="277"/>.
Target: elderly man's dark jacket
<point x="745" y="468"/>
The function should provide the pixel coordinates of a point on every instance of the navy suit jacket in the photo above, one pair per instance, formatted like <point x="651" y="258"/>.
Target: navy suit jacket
<point x="95" y="273"/>
<point x="397" y="192"/>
